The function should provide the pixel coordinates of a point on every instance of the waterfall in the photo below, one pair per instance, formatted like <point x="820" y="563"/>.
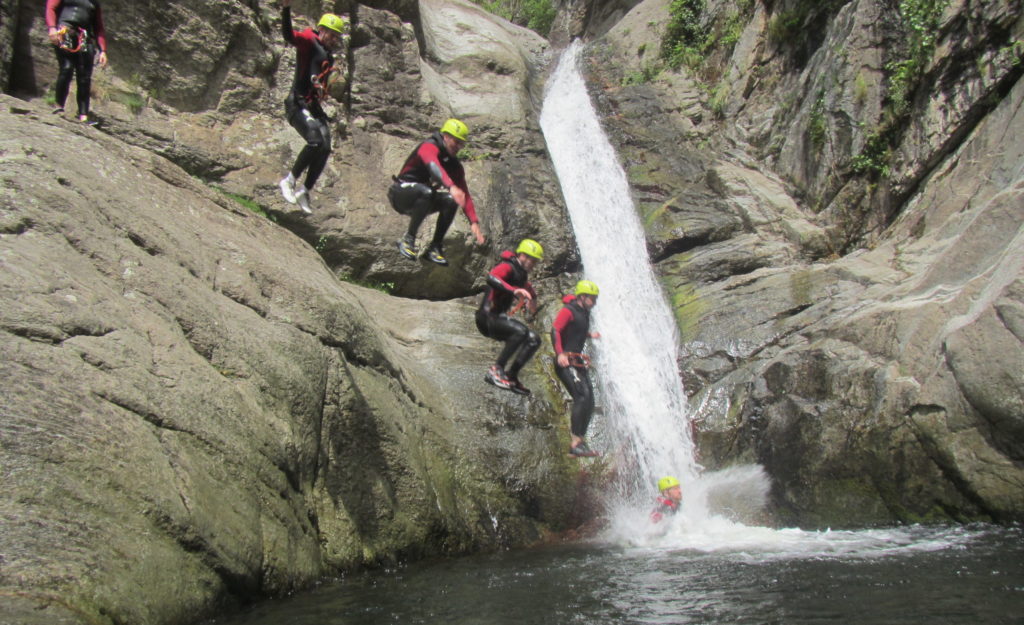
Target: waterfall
<point x="645" y="414"/>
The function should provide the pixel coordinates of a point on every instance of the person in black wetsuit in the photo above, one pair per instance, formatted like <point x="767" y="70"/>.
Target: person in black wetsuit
<point x="506" y="283"/>
<point x="432" y="180"/>
<point x="668" y="501"/>
<point x="569" y="333"/>
<point x="75" y="28"/>
<point x="313" y="69"/>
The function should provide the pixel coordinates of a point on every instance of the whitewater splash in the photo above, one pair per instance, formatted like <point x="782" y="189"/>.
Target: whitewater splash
<point x="645" y="412"/>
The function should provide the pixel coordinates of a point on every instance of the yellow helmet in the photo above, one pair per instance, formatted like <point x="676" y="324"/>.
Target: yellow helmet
<point x="456" y="129"/>
<point x="334" y="22"/>
<point x="667" y="482"/>
<point x="586" y="287"/>
<point x="531" y="248"/>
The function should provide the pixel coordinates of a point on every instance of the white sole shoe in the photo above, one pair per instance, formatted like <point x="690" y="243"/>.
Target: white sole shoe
<point x="287" y="191"/>
<point x="302" y="199"/>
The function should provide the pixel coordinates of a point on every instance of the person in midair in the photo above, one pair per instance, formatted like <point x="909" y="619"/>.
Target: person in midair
<point x="314" y="67"/>
<point x="569" y="333"/>
<point x="432" y="180"/>
<point x="75" y="28"/>
<point x="668" y="502"/>
<point x="506" y="283"/>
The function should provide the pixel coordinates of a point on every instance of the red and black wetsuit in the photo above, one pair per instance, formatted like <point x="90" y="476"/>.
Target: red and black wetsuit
<point x="87" y="16"/>
<point x="664" y="507"/>
<point x="569" y="333"/>
<point x="313" y="65"/>
<point x="419" y="188"/>
<point x="492" y="317"/>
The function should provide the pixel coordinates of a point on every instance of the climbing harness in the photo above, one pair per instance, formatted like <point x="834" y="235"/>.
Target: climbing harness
<point x="72" y="38"/>
<point x="578" y="360"/>
<point x="321" y="83"/>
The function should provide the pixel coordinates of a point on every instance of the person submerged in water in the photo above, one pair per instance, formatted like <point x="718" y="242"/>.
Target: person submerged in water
<point x="668" y="502"/>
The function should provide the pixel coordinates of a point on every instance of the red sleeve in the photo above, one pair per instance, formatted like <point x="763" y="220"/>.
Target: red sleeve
<point x="51" y="13"/>
<point x="428" y="153"/>
<point x="470" y="208"/>
<point x="563" y="319"/>
<point x="500" y="274"/>
<point x="101" y="32"/>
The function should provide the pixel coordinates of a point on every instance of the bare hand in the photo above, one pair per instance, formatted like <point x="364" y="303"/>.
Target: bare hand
<point x="595" y="335"/>
<point x="458" y="195"/>
<point x="562" y="360"/>
<point x="54" y="36"/>
<point x="103" y="59"/>
<point x="522" y="293"/>
<point x="477" y="233"/>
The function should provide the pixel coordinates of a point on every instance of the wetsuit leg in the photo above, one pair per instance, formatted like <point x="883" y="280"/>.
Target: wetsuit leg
<point x="321" y="153"/>
<point x="577" y="381"/>
<point x="84" y="61"/>
<point x="317" y="134"/>
<point x="514" y="333"/>
<point x="446" y="206"/>
<point x="65" y="71"/>
<point x="424" y="205"/>
<point x="482" y="323"/>
<point x="409" y="198"/>
<point x="528" y="348"/>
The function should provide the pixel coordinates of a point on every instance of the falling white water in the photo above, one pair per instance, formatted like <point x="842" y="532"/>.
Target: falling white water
<point x="645" y="410"/>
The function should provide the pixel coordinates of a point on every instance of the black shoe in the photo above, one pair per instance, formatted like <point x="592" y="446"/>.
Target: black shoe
<point x="434" y="255"/>
<point x="517" y="387"/>
<point x="407" y="248"/>
<point x="582" y="451"/>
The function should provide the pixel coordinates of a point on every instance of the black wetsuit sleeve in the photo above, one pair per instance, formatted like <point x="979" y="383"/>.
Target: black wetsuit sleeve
<point x="319" y="61"/>
<point x="498" y="276"/>
<point x="435" y="174"/>
<point x="286" y="25"/>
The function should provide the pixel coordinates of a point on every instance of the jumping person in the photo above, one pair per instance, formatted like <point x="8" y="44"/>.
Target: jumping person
<point x="506" y="283"/>
<point x="314" y="66"/>
<point x="432" y="180"/>
<point x="668" y="501"/>
<point x="569" y="333"/>
<point x="75" y="28"/>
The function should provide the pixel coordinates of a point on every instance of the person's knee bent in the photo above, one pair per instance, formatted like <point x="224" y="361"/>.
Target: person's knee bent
<point x="445" y="204"/>
<point x="532" y="340"/>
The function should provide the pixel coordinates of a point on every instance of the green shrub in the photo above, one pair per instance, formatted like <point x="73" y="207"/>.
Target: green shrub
<point x="875" y="157"/>
<point x="248" y="203"/>
<point x="684" y="39"/>
<point x="920" y="21"/>
<point x="537" y="15"/>
<point x="817" y="127"/>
